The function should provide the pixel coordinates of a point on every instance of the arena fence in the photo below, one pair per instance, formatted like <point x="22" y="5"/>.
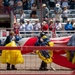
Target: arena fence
<point x="48" y="33"/>
<point x="34" y="48"/>
<point x="32" y="61"/>
<point x="5" y="32"/>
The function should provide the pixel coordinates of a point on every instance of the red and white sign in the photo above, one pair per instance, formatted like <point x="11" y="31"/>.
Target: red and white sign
<point x="4" y="33"/>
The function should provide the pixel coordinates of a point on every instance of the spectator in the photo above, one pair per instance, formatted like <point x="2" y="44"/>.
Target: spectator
<point x="25" y="4"/>
<point x="58" y="2"/>
<point x="6" y="3"/>
<point x="45" y="12"/>
<point x="65" y="3"/>
<point x="72" y="4"/>
<point x="22" y="15"/>
<point x="65" y="13"/>
<point x="19" y="5"/>
<point x="73" y="23"/>
<point x="52" y="4"/>
<point x="28" y="27"/>
<point x="22" y="26"/>
<point x="11" y="2"/>
<point x="44" y="1"/>
<point x="37" y="26"/>
<point x="58" y="12"/>
<point x="44" y="26"/>
<point x="58" y="25"/>
<point x="16" y="28"/>
<point x="51" y="25"/>
<point x="68" y="25"/>
<point x="32" y="1"/>
<point x="34" y="11"/>
<point x="29" y="4"/>
<point x="6" y="7"/>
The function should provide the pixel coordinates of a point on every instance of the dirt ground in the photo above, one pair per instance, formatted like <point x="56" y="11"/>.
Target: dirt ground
<point x="31" y="66"/>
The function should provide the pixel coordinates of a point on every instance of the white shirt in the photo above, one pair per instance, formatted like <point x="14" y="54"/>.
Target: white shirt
<point x="65" y="13"/>
<point x="23" y="16"/>
<point x="28" y="27"/>
<point x="11" y="2"/>
<point x="37" y="26"/>
<point x="58" y="26"/>
<point x="65" y="4"/>
<point x="22" y="27"/>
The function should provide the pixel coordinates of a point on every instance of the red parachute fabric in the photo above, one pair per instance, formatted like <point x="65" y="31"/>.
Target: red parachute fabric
<point x="30" y="42"/>
<point x="57" y="58"/>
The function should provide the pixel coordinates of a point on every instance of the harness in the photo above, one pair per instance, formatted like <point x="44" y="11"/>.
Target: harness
<point x="44" y="43"/>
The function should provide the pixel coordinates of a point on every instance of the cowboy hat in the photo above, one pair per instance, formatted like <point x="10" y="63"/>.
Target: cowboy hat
<point x="44" y="22"/>
<point x="43" y="5"/>
<point x="57" y="5"/>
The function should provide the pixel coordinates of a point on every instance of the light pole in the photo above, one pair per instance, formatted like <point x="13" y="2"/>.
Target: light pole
<point x="41" y="13"/>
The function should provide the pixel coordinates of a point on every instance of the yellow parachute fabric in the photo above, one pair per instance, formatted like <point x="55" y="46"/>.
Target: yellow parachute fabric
<point x="73" y="60"/>
<point x="68" y="57"/>
<point x="44" y="37"/>
<point x="47" y="60"/>
<point x="11" y="56"/>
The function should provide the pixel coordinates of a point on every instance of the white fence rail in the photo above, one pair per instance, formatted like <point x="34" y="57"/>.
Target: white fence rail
<point x="48" y="33"/>
<point x="35" y="34"/>
<point x="4" y="33"/>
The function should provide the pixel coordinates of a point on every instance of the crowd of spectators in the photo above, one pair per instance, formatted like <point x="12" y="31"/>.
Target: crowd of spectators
<point x="28" y="27"/>
<point x="61" y="10"/>
<point x="26" y="4"/>
<point x="68" y="3"/>
<point x="34" y="5"/>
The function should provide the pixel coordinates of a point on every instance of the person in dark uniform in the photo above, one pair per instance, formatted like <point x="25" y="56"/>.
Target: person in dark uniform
<point x="10" y="38"/>
<point x="43" y="42"/>
<point x="71" y="53"/>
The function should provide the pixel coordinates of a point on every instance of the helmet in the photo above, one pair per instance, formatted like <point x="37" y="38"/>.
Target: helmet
<point x="46" y="39"/>
<point x="42" y="34"/>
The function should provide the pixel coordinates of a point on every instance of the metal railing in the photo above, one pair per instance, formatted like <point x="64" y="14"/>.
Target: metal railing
<point x="64" y="33"/>
<point x="33" y="33"/>
<point x="48" y="33"/>
<point x="36" y="33"/>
